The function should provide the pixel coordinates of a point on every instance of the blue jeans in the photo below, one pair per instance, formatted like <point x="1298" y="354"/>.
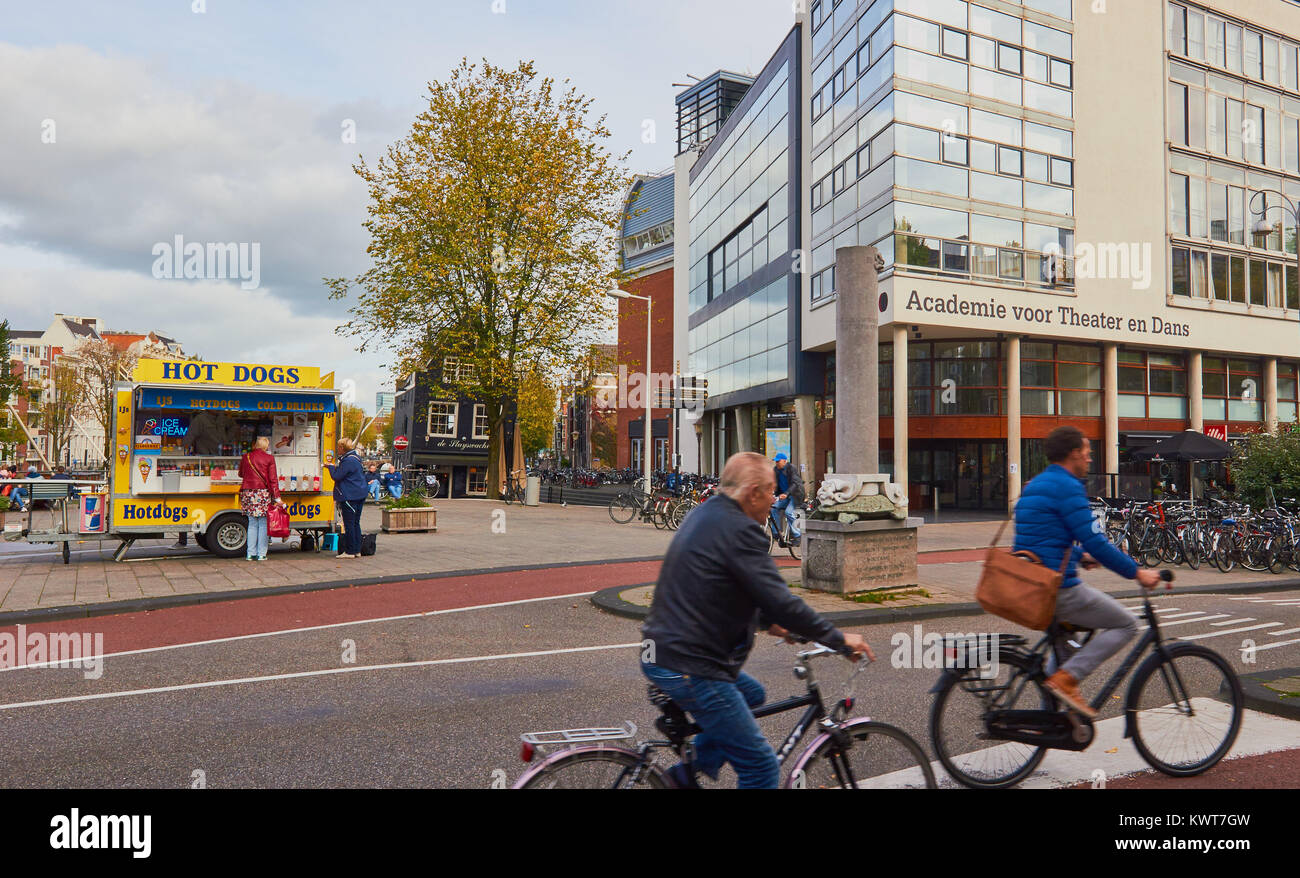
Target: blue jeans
<point x="376" y="491"/>
<point x="395" y="490"/>
<point x="730" y="732"/>
<point x="257" y="537"/>
<point x="351" y="513"/>
<point x="790" y="507"/>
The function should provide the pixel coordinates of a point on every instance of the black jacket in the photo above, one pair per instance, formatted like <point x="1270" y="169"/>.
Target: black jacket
<point x="796" y="491"/>
<point x="718" y="583"/>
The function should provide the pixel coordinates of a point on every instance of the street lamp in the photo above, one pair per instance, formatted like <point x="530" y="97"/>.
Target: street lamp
<point x="645" y="442"/>
<point x="1262" y="228"/>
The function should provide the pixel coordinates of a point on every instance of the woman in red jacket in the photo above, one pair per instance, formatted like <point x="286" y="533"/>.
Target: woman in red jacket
<point x="259" y="488"/>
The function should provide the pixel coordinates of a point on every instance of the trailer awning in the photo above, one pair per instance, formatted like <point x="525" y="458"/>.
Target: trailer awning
<point x="230" y="400"/>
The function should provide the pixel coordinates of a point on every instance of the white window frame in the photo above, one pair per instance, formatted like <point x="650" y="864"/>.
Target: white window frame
<point x="480" y="411"/>
<point x="454" y="369"/>
<point x="469" y="481"/>
<point x="455" y="419"/>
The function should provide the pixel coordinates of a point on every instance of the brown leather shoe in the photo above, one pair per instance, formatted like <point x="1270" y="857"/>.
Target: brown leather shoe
<point x="1063" y="685"/>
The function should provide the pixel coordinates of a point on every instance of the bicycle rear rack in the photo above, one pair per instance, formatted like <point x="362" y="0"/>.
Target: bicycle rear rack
<point x="561" y="737"/>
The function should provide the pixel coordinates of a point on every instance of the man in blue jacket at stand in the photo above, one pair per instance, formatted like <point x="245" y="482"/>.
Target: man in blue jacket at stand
<point x="1052" y="515"/>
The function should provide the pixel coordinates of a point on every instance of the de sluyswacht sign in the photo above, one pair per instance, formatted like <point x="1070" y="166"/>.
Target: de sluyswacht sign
<point x="1065" y="316"/>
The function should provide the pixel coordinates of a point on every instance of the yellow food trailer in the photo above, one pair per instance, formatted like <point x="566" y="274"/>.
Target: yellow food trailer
<point x="179" y="430"/>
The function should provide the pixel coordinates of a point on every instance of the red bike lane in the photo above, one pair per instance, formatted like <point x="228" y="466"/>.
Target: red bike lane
<point x="237" y="617"/>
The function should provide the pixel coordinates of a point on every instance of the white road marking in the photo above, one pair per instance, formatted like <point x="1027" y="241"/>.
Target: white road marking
<point x="1260" y="733"/>
<point x="316" y="628"/>
<point x="1176" y="615"/>
<point x="1234" y="621"/>
<point x="1229" y="631"/>
<point x="1138" y="609"/>
<point x="1276" y="645"/>
<point x="1184" y="621"/>
<point x="321" y="673"/>
<point x="1284" y="631"/>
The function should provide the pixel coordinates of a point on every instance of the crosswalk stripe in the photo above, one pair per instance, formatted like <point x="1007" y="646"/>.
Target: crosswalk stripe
<point x="1235" y="621"/>
<point x="1230" y="631"/>
<point x="1285" y="631"/>
<point x="1276" y="645"/>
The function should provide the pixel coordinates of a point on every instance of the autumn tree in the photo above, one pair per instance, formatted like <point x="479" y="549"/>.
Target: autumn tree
<point x="101" y="365"/>
<point x="492" y="238"/>
<point x="61" y="405"/>
<point x="536" y="412"/>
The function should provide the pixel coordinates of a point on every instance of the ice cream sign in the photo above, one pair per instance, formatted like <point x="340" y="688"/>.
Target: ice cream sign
<point x="166" y="427"/>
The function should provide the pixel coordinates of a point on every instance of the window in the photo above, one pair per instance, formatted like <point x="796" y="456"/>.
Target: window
<point x="480" y="421"/>
<point x="1009" y="161"/>
<point x="476" y="480"/>
<point x="442" y="420"/>
<point x="1231" y="389"/>
<point x="1008" y="59"/>
<point x="954" y="43"/>
<point x="954" y="150"/>
<point x="454" y="370"/>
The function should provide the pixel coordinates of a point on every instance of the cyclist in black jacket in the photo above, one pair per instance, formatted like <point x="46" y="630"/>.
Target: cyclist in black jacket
<point x="717" y="585"/>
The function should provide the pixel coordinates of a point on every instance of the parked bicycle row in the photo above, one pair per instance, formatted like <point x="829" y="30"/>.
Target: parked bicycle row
<point x="1215" y="532"/>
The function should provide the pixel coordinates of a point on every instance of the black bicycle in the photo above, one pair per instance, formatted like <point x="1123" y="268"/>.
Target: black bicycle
<point x="777" y="528"/>
<point x="514" y="491"/>
<point x="1183" y="707"/>
<point x="856" y="753"/>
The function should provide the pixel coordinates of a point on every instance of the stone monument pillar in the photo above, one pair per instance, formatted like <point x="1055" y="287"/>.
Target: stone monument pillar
<point x="860" y="538"/>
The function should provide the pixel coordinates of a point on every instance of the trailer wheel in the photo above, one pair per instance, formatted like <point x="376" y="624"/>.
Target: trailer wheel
<point x="227" y="537"/>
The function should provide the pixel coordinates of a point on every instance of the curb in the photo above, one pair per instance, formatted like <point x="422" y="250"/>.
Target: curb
<point x="1258" y="697"/>
<point x="608" y="600"/>
<point x="139" y="605"/>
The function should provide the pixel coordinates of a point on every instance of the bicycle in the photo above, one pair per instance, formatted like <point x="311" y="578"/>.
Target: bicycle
<point x="1010" y="736"/>
<point x="857" y="753"/>
<point x="514" y="491"/>
<point x="777" y="528"/>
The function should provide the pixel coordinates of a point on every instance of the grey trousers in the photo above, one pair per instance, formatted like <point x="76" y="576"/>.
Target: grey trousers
<point x="1087" y="607"/>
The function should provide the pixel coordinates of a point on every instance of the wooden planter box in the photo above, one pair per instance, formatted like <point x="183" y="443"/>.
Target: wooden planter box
<point x="417" y="519"/>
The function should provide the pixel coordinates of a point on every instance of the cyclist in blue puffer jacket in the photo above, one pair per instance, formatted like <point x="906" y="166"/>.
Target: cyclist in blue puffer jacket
<point x="1052" y="515"/>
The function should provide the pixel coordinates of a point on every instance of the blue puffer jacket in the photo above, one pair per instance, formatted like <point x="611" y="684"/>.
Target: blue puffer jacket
<point x="349" y="480"/>
<point x="1053" y="514"/>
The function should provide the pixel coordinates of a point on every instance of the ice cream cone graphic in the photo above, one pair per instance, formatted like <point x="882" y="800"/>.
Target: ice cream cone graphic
<point x="145" y="466"/>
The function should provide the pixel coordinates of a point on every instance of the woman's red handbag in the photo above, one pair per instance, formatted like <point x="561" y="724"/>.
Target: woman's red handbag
<point x="277" y="521"/>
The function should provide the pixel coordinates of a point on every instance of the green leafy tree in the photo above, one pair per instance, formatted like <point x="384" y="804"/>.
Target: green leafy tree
<point x="11" y="385"/>
<point x="1264" y="461"/>
<point x="493" y="238"/>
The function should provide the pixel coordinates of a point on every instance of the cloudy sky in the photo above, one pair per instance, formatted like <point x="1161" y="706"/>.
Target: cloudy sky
<point x="125" y="124"/>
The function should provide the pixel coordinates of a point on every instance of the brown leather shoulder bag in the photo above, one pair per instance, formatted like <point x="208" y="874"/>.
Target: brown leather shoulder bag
<point x="1018" y="587"/>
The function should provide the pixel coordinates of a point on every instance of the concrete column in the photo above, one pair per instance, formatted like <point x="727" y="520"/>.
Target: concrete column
<point x="707" y="466"/>
<point x="1014" y="475"/>
<point x="804" y="446"/>
<point x="1110" y="403"/>
<point x="1270" y="394"/>
<point x="900" y="404"/>
<point x="857" y="362"/>
<point x="744" y="432"/>
<point x="1195" y="411"/>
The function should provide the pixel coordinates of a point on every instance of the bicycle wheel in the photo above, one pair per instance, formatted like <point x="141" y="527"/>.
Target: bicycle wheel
<point x="1171" y="547"/>
<point x="1254" y="555"/>
<point x="957" y="728"/>
<point x="598" y="769"/>
<point x="659" y="515"/>
<point x="1222" y="555"/>
<point x="879" y="757"/>
<point x="1191" y="550"/>
<point x="794" y="546"/>
<point x="1182" y="724"/>
<point x="623" y="508"/>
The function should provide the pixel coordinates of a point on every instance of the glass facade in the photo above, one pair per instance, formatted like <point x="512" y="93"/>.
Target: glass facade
<point x="742" y="237"/>
<point x="936" y="185"/>
<point x="1234" y="131"/>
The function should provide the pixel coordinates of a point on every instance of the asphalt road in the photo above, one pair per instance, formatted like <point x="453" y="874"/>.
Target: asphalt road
<point x="439" y="699"/>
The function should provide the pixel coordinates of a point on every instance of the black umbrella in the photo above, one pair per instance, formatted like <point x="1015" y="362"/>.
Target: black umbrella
<point x="1185" y="446"/>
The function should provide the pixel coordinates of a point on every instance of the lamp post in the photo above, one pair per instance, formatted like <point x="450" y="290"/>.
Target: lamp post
<point x="645" y="442"/>
<point x="1262" y="227"/>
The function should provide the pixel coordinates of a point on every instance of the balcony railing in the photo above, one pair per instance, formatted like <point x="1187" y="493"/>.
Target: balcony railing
<point x="1012" y="265"/>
